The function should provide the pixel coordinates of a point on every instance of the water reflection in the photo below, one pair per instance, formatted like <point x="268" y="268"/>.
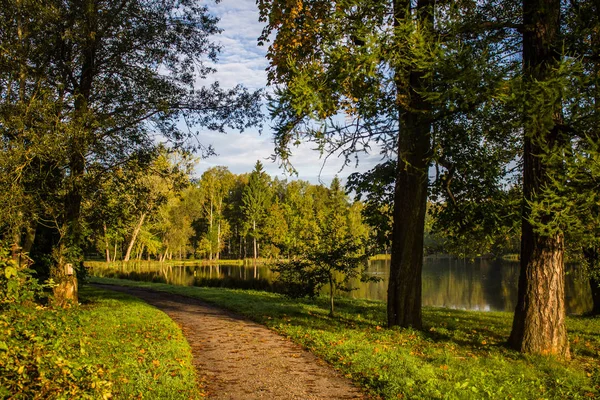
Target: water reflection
<point x="485" y="285"/>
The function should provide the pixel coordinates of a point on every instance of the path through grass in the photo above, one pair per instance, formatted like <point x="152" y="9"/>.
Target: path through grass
<point x="460" y="355"/>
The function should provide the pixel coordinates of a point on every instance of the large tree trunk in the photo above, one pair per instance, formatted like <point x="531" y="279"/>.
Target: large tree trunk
<point x="72" y="241"/>
<point x="136" y="231"/>
<point x="539" y="320"/>
<point x="410" y="197"/>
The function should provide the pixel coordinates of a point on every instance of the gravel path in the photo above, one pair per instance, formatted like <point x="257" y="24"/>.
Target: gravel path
<point x="241" y="360"/>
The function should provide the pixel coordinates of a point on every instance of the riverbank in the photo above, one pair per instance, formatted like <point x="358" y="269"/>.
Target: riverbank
<point x="460" y="354"/>
<point x="104" y="348"/>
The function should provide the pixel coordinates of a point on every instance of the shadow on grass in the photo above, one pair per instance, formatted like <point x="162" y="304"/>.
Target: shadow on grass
<point x="474" y="332"/>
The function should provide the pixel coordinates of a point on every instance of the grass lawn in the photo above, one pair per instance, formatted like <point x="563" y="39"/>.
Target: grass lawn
<point x="112" y="346"/>
<point x="459" y="355"/>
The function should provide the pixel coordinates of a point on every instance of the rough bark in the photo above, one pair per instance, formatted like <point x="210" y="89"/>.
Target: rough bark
<point x="65" y="292"/>
<point x="68" y="251"/>
<point x="539" y="320"/>
<point x="134" y="235"/>
<point x="410" y="197"/>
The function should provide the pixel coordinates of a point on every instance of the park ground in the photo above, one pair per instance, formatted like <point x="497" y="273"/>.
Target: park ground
<point x="107" y="346"/>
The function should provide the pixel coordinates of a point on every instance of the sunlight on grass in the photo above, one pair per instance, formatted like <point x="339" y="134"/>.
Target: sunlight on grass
<point x="142" y="350"/>
<point x="459" y="354"/>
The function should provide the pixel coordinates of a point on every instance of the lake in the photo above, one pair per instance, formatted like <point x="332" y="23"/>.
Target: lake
<point x="482" y="285"/>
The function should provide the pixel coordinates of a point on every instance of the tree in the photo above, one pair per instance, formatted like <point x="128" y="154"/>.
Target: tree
<point x="91" y="83"/>
<point x="216" y="184"/>
<point x="255" y="199"/>
<point x="377" y="188"/>
<point x="234" y="212"/>
<point x="394" y="74"/>
<point x="541" y="280"/>
<point x="582" y="173"/>
<point x="339" y="256"/>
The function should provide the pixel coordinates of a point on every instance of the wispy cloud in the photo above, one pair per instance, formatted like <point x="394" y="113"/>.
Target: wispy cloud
<point x="242" y="61"/>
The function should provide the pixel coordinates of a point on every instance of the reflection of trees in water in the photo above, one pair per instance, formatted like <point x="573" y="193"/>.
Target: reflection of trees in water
<point x="500" y="284"/>
<point x="482" y="285"/>
<point x="453" y="283"/>
<point x="578" y="295"/>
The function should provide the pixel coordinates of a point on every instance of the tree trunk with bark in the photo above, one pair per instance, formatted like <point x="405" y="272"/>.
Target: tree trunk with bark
<point x="539" y="320"/>
<point x="410" y="195"/>
<point x="134" y="235"/>
<point x="210" y="230"/>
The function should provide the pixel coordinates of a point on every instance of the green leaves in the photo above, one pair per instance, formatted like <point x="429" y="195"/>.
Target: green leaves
<point x="9" y="272"/>
<point x="17" y="284"/>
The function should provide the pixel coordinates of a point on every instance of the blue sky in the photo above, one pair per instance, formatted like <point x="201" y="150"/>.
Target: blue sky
<point x="242" y="61"/>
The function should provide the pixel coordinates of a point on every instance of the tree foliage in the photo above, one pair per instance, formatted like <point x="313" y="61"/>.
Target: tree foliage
<point x="340" y="255"/>
<point x="87" y="86"/>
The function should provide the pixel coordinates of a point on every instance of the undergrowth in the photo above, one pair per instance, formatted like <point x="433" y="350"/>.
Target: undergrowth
<point x="114" y="346"/>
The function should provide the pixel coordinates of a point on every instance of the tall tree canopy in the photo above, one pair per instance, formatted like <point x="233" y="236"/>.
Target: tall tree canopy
<point x="481" y="90"/>
<point x="255" y="200"/>
<point x="85" y="85"/>
<point x="410" y="79"/>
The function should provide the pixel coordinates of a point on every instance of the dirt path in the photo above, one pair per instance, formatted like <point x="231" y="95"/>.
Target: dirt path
<point x="241" y="360"/>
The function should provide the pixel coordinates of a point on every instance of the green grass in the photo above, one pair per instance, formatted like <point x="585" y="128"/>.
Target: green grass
<point x="459" y="355"/>
<point x="112" y="345"/>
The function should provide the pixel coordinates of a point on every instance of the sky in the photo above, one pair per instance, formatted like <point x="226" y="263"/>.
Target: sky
<point x="242" y="61"/>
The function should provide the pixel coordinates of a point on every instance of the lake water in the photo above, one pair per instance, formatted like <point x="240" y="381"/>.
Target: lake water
<point x="484" y="285"/>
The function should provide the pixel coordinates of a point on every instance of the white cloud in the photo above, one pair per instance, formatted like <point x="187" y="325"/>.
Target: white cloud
<point x="242" y="61"/>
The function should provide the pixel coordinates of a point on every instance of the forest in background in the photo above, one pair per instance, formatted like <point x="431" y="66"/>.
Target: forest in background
<point x="168" y="214"/>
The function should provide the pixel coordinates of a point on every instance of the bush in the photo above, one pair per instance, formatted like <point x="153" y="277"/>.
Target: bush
<point x="17" y="284"/>
<point x="37" y="343"/>
<point x="39" y="357"/>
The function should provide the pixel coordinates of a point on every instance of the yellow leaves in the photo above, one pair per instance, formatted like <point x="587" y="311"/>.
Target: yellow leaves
<point x="21" y="370"/>
<point x="156" y="363"/>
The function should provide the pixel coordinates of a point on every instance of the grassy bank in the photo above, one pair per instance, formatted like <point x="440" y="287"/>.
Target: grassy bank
<point x="460" y="355"/>
<point x="113" y="345"/>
